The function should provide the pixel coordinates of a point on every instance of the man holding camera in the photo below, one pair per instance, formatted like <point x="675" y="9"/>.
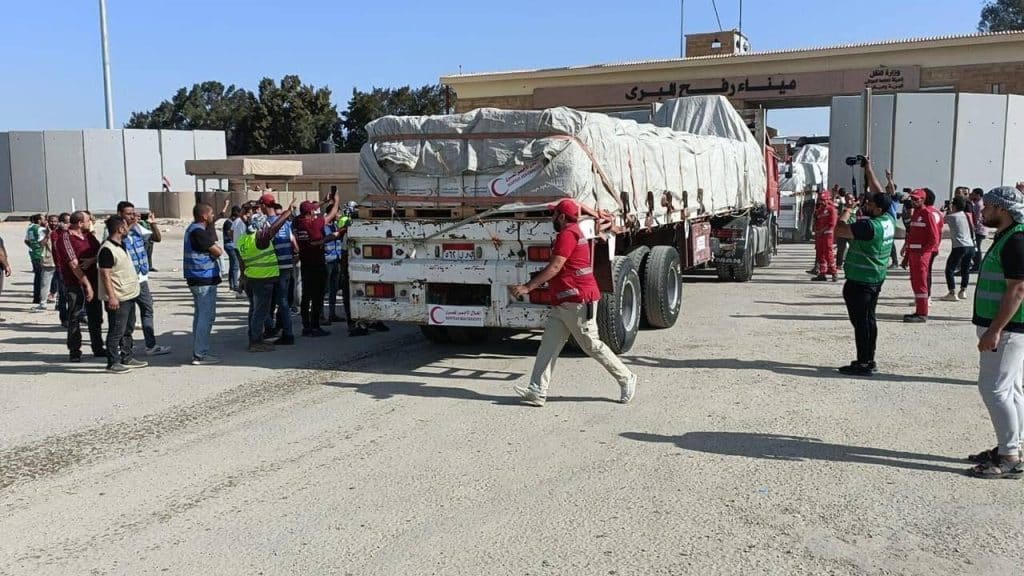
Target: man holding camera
<point x="866" y="267"/>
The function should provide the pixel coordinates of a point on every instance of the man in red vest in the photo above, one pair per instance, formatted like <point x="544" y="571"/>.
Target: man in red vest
<point x="570" y="279"/>
<point x="922" y="246"/>
<point x="825" y="218"/>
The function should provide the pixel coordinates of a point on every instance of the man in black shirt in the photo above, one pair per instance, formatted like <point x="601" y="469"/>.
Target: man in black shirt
<point x="202" y="272"/>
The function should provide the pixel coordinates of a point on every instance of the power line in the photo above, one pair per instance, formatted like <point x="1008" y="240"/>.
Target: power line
<point x="717" y="17"/>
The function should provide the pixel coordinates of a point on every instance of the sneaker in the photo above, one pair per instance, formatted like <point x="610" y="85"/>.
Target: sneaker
<point x="358" y="331"/>
<point x="118" y="369"/>
<point x="133" y="363"/>
<point x="914" y="319"/>
<point x="629" y="390"/>
<point x="856" y="369"/>
<point x="240" y="296"/>
<point x="158" y="350"/>
<point x="812" y="271"/>
<point x="835" y="278"/>
<point x="962" y="295"/>
<point x="318" y="333"/>
<point x="951" y="297"/>
<point x="819" y="278"/>
<point x="261" y="347"/>
<point x="205" y="360"/>
<point x="530" y="396"/>
<point x="285" y="341"/>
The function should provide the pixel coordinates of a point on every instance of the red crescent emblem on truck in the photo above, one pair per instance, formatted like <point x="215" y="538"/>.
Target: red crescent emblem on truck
<point x="435" y="312"/>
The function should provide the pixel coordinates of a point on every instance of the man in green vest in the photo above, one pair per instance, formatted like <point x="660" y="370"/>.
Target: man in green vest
<point x="999" y="317"/>
<point x="260" y="273"/>
<point x="867" y="261"/>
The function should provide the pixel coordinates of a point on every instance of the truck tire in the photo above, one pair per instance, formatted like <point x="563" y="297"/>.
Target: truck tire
<point x="640" y="257"/>
<point x="744" y="271"/>
<point x="435" y="334"/>
<point x="618" y="313"/>
<point x="662" y="287"/>
<point x="764" y="259"/>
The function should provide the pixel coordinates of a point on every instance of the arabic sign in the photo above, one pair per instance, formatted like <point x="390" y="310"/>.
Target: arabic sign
<point x="752" y="88"/>
<point x="455" y="316"/>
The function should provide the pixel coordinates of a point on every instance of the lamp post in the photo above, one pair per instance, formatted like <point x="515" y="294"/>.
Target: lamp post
<point x="682" y="34"/>
<point x="108" y="100"/>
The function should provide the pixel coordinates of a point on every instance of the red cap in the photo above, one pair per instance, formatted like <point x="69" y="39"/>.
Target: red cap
<point x="918" y="194"/>
<point x="307" y="207"/>
<point x="268" y="200"/>
<point x="825" y="196"/>
<point x="568" y="207"/>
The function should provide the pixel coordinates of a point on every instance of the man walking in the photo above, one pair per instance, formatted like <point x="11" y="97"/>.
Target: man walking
<point x="35" y="236"/>
<point x="824" y="241"/>
<point x="867" y="264"/>
<point x="202" y="273"/>
<point x="922" y="245"/>
<point x="259" y="267"/>
<point x="118" y="289"/>
<point x="999" y="316"/>
<point x="78" y="248"/>
<point x="571" y="279"/>
<point x="135" y="244"/>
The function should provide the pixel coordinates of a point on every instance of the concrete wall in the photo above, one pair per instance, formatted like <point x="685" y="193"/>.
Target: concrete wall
<point x="96" y="169"/>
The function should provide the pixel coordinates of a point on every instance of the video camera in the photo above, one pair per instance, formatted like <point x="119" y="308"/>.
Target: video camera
<point x="858" y="160"/>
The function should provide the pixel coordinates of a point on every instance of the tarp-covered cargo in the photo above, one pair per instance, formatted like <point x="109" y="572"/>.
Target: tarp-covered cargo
<point x="490" y="156"/>
<point x="809" y="170"/>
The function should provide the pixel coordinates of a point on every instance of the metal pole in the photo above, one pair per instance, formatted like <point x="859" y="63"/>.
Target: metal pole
<point x="741" y="17"/>
<point x="108" y="100"/>
<point x="682" y="33"/>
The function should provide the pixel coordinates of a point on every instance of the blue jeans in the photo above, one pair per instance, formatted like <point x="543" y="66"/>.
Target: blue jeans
<point x="261" y="296"/>
<point x="281" y="299"/>
<point x="234" y="267"/>
<point x="204" y="299"/>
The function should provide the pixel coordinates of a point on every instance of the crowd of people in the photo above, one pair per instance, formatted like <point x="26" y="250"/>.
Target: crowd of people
<point x="867" y="225"/>
<point x="84" y="278"/>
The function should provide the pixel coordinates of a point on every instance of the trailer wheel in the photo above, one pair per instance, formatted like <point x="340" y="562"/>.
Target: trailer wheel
<point x="663" y="287"/>
<point x="435" y="334"/>
<point x="640" y="257"/>
<point x="764" y="259"/>
<point x="618" y="313"/>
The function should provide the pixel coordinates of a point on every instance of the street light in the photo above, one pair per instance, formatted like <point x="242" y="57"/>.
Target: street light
<point x="106" y="66"/>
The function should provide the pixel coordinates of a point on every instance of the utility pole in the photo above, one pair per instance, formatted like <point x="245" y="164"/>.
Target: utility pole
<point x="682" y="33"/>
<point x="107" y="98"/>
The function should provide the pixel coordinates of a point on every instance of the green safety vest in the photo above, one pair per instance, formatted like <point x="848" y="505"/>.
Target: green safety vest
<point x="988" y="293"/>
<point x="867" y="261"/>
<point x="259" y="263"/>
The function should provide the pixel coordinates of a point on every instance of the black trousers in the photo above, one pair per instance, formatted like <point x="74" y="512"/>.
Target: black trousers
<point x="314" y="282"/>
<point x="841" y="244"/>
<point x="346" y="290"/>
<point x="861" y="301"/>
<point x="120" y="326"/>
<point x="94" y="314"/>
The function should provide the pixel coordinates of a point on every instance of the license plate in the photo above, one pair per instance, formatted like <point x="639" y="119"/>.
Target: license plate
<point x="458" y="252"/>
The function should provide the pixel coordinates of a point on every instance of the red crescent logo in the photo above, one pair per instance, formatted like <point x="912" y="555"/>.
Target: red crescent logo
<point x="434" y="315"/>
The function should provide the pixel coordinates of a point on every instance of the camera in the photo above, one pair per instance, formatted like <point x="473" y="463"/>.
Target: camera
<point x="858" y="160"/>
<point x="145" y="217"/>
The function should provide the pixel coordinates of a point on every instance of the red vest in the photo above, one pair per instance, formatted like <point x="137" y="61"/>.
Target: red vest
<point x="825" y="218"/>
<point x="575" y="282"/>
<point x="925" y="231"/>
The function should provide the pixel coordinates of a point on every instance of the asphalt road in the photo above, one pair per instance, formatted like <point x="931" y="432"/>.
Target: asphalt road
<point x="744" y="451"/>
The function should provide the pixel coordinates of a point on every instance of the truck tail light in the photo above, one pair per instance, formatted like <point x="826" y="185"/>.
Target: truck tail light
<point x="538" y="253"/>
<point x="377" y="251"/>
<point x="384" y="291"/>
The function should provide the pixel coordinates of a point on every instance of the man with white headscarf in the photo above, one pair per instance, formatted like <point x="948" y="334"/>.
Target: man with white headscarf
<point x="999" y="316"/>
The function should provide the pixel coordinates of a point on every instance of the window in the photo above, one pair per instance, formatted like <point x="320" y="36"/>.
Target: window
<point x="998" y="88"/>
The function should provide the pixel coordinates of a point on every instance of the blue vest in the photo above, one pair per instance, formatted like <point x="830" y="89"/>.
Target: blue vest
<point x="283" y="244"/>
<point x="136" y="248"/>
<point x="332" y="249"/>
<point x="198" y="265"/>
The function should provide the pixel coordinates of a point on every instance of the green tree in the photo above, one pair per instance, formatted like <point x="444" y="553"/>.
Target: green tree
<point x="205" y="106"/>
<point x="1000" y="15"/>
<point x="365" y="107"/>
<point x="293" y="118"/>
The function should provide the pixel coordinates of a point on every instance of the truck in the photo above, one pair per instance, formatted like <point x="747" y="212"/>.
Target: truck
<point x="457" y="208"/>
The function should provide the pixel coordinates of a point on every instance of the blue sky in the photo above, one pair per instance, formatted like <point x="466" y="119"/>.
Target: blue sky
<point x="50" y="56"/>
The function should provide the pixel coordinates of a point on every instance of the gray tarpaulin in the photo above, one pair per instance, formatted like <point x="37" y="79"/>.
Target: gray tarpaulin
<point x="604" y="162"/>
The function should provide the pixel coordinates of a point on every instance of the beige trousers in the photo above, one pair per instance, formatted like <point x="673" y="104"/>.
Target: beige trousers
<point x="571" y="320"/>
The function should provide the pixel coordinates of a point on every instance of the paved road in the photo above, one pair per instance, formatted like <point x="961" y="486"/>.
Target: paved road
<point x="744" y="452"/>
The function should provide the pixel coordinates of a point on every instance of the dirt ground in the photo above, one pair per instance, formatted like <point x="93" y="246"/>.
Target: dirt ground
<point x="744" y="452"/>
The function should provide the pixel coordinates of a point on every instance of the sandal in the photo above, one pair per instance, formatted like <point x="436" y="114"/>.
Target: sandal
<point x="985" y="456"/>
<point x="1000" y="468"/>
